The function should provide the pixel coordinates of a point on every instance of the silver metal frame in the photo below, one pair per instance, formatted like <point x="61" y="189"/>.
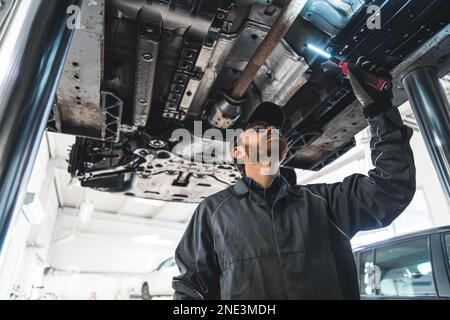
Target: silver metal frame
<point x="79" y="108"/>
<point x="432" y="110"/>
<point x="417" y="79"/>
<point x="149" y="35"/>
<point x="32" y="55"/>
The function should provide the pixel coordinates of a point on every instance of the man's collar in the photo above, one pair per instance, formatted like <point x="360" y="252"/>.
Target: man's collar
<point x="254" y="185"/>
<point x="241" y="188"/>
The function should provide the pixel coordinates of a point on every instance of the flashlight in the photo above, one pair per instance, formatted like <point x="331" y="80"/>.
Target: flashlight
<point x="319" y="51"/>
<point x="376" y="82"/>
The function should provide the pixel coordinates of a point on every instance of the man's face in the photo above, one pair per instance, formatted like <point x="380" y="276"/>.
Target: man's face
<point x="262" y="143"/>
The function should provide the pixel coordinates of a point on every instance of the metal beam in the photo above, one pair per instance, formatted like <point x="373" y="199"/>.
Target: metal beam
<point x="432" y="110"/>
<point x="435" y="52"/>
<point x="150" y="29"/>
<point x="32" y="55"/>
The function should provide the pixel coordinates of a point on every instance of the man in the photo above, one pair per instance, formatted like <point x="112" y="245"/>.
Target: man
<point x="267" y="238"/>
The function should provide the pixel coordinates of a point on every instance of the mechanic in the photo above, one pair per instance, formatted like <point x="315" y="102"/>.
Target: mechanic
<point x="268" y="238"/>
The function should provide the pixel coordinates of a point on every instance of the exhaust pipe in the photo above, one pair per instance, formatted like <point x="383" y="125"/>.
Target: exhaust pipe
<point x="229" y="110"/>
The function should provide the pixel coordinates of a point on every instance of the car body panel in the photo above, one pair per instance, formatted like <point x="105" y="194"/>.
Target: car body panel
<point x="439" y="263"/>
<point x="160" y="280"/>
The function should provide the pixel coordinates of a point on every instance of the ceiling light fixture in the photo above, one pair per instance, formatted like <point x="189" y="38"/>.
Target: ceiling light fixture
<point x="149" y="202"/>
<point x="86" y="211"/>
<point x="152" y="239"/>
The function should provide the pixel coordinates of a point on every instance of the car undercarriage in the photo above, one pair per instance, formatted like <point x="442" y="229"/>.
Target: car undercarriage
<point x="139" y="70"/>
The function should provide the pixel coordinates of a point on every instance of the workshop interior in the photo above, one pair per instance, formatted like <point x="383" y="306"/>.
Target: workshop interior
<point x="96" y="187"/>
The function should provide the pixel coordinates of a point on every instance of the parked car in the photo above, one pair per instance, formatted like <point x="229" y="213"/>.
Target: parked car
<point x="414" y="266"/>
<point x="159" y="282"/>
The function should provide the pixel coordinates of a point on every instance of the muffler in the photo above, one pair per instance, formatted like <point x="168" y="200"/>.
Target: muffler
<point x="226" y="112"/>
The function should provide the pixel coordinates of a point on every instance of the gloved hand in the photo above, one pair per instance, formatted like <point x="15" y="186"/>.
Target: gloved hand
<point x="374" y="102"/>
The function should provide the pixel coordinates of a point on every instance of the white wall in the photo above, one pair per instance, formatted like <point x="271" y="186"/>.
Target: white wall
<point x="28" y="243"/>
<point x="13" y="252"/>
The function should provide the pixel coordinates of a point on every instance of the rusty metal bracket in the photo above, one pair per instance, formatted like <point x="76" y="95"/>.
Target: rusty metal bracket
<point x="150" y="26"/>
<point x="281" y="26"/>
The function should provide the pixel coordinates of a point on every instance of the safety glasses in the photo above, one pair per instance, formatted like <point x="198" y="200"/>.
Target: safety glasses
<point x="260" y="127"/>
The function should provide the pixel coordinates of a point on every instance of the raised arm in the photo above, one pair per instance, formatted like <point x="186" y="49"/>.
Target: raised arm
<point x="363" y="202"/>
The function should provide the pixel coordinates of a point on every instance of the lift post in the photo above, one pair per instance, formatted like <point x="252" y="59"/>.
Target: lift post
<point x="33" y="49"/>
<point x="432" y="111"/>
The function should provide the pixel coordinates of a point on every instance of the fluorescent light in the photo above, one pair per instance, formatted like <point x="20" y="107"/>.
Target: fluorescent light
<point x="161" y="242"/>
<point x="149" y="202"/>
<point x="152" y="239"/>
<point x="145" y="238"/>
<point x="316" y="49"/>
<point x="86" y="211"/>
<point x="64" y="239"/>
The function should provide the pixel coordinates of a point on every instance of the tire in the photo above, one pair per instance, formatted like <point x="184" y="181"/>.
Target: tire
<point x="146" y="292"/>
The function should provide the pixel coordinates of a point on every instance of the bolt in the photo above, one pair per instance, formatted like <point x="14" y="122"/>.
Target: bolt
<point x="270" y="10"/>
<point x="147" y="57"/>
<point x="442" y="59"/>
<point x="157" y="143"/>
<point x="227" y="26"/>
<point x="142" y="101"/>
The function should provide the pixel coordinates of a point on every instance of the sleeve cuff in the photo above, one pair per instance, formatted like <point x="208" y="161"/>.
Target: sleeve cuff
<point x="391" y="116"/>
<point x="376" y="109"/>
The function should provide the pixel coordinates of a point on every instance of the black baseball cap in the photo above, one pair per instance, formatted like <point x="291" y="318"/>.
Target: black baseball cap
<point x="268" y="112"/>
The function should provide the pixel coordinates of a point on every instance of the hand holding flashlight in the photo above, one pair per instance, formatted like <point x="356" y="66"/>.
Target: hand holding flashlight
<point x="378" y="82"/>
<point x="371" y="85"/>
<point x="368" y="72"/>
<point x="374" y="99"/>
